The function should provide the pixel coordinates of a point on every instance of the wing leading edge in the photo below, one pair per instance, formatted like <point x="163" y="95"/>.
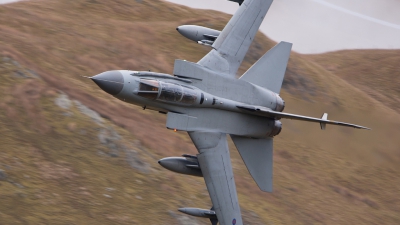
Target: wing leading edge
<point x="215" y="163"/>
<point x="232" y="44"/>
<point x="262" y="111"/>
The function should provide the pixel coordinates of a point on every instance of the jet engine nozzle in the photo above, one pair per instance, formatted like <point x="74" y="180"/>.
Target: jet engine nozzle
<point x="199" y="212"/>
<point x="111" y="82"/>
<point x="185" y="165"/>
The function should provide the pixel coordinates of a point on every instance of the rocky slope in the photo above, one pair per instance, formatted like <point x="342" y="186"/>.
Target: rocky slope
<point x="71" y="154"/>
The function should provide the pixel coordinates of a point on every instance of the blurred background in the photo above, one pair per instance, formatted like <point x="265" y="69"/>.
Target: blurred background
<point x="72" y="154"/>
<point x="317" y="26"/>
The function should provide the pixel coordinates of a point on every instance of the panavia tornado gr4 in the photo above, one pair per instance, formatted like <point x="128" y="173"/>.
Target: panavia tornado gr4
<point x="206" y="100"/>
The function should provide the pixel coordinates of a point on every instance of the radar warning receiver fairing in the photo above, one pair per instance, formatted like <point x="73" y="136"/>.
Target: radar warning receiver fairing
<point x="206" y="100"/>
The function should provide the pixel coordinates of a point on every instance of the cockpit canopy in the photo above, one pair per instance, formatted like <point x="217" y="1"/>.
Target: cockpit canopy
<point x="148" y="88"/>
<point x="164" y="91"/>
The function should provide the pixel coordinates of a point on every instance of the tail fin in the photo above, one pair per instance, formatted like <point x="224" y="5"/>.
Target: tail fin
<point x="269" y="70"/>
<point x="257" y="155"/>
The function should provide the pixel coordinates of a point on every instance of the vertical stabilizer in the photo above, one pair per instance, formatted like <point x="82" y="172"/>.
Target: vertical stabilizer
<point x="257" y="154"/>
<point x="269" y="70"/>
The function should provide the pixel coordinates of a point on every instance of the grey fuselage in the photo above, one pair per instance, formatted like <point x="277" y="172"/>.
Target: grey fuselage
<point x="166" y="93"/>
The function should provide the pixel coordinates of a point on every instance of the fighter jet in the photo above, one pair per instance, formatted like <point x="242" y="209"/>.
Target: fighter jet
<point x="206" y="100"/>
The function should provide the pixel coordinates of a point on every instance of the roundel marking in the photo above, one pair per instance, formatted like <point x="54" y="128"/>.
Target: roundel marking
<point x="233" y="221"/>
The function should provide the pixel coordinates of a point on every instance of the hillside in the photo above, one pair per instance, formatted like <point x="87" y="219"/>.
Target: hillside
<point x="375" y="72"/>
<point x="71" y="154"/>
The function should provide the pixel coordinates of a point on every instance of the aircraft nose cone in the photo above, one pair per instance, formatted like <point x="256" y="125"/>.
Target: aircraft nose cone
<point x="111" y="82"/>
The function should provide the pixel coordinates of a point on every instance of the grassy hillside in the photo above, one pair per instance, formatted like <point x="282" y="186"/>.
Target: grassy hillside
<point x="375" y="72"/>
<point x="71" y="154"/>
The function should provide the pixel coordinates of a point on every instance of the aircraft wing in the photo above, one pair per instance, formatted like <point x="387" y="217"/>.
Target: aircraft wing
<point x="215" y="163"/>
<point x="262" y="111"/>
<point x="232" y="44"/>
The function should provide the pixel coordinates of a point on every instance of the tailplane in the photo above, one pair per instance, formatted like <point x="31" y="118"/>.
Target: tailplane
<point x="269" y="70"/>
<point x="257" y="155"/>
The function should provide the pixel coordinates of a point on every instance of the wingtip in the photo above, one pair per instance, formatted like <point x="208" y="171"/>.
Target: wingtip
<point x="364" y="128"/>
<point x="287" y="43"/>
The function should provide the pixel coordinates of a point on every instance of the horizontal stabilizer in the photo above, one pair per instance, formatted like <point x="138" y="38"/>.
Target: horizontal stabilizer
<point x="257" y="154"/>
<point x="269" y="71"/>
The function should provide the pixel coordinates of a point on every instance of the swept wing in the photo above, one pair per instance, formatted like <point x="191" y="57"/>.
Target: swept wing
<point x="215" y="163"/>
<point x="262" y="111"/>
<point x="232" y="44"/>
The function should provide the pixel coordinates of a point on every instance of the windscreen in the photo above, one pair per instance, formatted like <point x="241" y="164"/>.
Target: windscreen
<point x="177" y="93"/>
<point x="170" y="92"/>
<point x="148" y="88"/>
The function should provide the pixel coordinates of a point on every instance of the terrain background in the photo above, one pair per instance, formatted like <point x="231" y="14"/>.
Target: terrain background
<point x="320" y="26"/>
<point x="72" y="154"/>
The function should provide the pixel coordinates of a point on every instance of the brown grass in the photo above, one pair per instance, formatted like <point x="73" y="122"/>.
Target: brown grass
<point x="375" y="72"/>
<point x="339" y="176"/>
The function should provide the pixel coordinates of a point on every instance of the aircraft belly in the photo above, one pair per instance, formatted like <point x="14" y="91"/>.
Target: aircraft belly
<point x="215" y="163"/>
